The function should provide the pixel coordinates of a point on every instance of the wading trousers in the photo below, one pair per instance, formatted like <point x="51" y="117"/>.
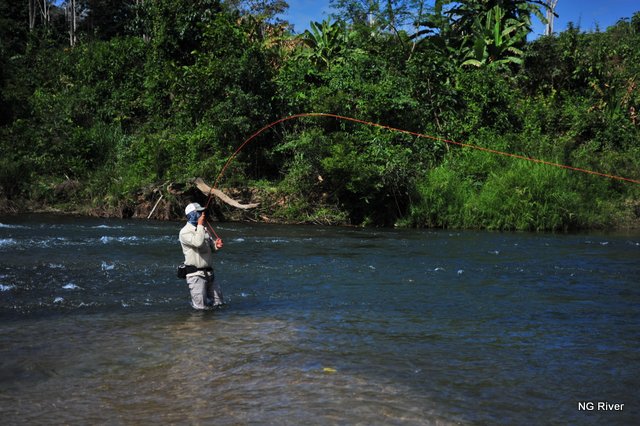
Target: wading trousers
<point x="205" y="292"/>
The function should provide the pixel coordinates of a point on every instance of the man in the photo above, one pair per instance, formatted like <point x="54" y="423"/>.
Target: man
<point x="198" y="247"/>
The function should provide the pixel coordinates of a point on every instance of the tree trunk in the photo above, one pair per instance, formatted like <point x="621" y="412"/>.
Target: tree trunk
<point x="391" y="14"/>
<point x="45" y="9"/>
<point x="32" y="14"/>
<point x="71" y="17"/>
<point x="551" y="14"/>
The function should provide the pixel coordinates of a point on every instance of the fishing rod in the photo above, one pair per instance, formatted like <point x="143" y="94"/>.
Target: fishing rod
<point x="408" y="132"/>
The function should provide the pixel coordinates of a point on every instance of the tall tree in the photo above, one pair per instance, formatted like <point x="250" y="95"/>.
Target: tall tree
<point x="105" y="19"/>
<point x="392" y="16"/>
<point x="261" y="17"/>
<point x="42" y="9"/>
<point x="72" y="18"/>
<point x="550" y="13"/>
<point x="176" y="29"/>
<point x="32" y="14"/>
<point x="267" y="10"/>
<point x="383" y="14"/>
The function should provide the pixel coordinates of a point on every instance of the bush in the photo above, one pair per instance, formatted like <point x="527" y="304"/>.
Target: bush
<point x="440" y="200"/>
<point x="15" y="177"/>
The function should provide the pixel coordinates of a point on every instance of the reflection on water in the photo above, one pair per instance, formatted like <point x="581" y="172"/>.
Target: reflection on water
<point x="324" y="326"/>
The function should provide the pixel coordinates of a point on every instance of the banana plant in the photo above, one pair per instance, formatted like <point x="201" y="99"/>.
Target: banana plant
<point x="495" y="40"/>
<point x="325" y="41"/>
<point x="481" y="32"/>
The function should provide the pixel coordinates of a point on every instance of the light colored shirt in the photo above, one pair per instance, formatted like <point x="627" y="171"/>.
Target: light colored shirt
<point x="197" y="246"/>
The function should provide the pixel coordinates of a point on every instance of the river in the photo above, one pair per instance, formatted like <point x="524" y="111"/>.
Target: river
<point x="323" y="326"/>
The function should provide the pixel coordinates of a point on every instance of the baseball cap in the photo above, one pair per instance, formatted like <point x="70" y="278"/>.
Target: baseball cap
<point x="192" y="208"/>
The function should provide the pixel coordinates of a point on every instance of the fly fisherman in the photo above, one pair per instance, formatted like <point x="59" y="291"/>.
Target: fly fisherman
<point x="198" y="247"/>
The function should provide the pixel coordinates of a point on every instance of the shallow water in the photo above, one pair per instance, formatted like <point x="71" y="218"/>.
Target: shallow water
<point x="323" y="326"/>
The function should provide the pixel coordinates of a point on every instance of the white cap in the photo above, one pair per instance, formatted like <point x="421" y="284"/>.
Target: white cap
<point x="192" y="208"/>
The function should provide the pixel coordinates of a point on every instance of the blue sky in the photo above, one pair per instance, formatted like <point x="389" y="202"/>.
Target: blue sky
<point x="587" y="13"/>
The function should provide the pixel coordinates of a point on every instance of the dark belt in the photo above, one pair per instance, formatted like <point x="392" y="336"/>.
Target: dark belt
<point x="191" y="269"/>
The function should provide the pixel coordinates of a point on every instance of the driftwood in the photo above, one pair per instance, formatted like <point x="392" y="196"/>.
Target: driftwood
<point x="154" y="207"/>
<point x="207" y="190"/>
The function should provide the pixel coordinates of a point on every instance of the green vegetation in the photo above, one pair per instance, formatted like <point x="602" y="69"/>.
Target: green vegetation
<point x="142" y="93"/>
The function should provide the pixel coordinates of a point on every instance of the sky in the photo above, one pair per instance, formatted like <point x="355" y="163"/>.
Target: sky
<point x="589" y="14"/>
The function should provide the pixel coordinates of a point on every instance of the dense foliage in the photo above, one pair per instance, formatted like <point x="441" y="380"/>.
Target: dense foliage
<point x="166" y="90"/>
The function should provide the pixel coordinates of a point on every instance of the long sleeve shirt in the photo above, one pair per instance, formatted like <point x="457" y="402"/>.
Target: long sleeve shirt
<point x="197" y="246"/>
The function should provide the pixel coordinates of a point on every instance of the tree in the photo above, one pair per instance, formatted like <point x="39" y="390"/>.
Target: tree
<point x="176" y="30"/>
<point x="381" y="14"/>
<point x="495" y="40"/>
<point x="40" y="8"/>
<point x="13" y="32"/>
<point x="46" y="20"/>
<point x="325" y="41"/>
<point x="105" y="19"/>
<point x="550" y="13"/>
<point x="260" y="17"/>
<point x="357" y="11"/>
<point x="32" y="14"/>
<point x="265" y="10"/>
<point x="481" y="32"/>
<point x="71" y="12"/>
<point x="372" y="18"/>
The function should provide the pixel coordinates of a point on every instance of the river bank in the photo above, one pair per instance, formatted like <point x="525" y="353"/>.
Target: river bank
<point x="166" y="201"/>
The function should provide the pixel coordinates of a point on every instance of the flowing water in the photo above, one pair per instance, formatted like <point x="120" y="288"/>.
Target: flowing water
<point x="323" y="326"/>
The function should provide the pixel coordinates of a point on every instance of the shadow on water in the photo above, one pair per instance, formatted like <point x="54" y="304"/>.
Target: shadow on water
<point x="324" y="325"/>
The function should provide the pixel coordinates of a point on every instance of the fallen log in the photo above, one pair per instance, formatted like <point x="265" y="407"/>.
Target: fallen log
<point x="207" y="190"/>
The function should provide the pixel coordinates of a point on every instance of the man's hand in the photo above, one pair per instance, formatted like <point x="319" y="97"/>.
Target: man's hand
<point x="219" y="243"/>
<point x="201" y="219"/>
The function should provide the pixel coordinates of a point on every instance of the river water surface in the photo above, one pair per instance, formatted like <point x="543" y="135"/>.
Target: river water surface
<point x="323" y="326"/>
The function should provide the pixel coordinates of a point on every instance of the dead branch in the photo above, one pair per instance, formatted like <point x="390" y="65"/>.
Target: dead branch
<point x="207" y="190"/>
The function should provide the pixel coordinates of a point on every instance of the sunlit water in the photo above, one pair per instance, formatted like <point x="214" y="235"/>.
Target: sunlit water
<point x="323" y="326"/>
